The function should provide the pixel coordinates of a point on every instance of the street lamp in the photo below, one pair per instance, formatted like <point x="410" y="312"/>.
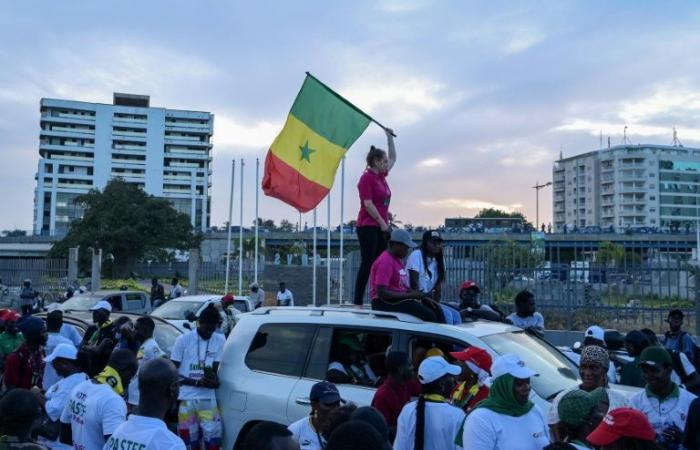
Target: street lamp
<point x="537" y="188"/>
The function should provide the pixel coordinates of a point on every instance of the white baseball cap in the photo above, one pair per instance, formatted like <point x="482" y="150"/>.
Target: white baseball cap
<point x="595" y="332"/>
<point x="511" y="364"/>
<point x="102" y="304"/>
<point x="65" y="351"/>
<point x="435" y="367"/>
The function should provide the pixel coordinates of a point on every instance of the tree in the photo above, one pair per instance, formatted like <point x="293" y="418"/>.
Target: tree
<point x="493" y="213"/>
<point x="129" y="224"/>
<point x="286" y="226"/>
<point x="266" y="223"/>
<point x="610" y="253"/>
<point x="14" y="233"/>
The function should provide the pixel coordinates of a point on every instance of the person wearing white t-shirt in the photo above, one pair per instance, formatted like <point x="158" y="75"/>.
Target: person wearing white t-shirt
<point x="284" y="296"/>
<point x="54" y="320"/>
<point x="525" y="315"/>
<point x="432" y="413"/>
<point x="146" y="428"/>
<point x="662" y="401"/>
<point x="197" y="355"/>
<point x="96" y="407"/>
<point x="507" y="419"/>
<point x="308" y="431"/>
<point x="64" y="360"/>
<point x="68" y="331"/>
<point x="148" y="350"/>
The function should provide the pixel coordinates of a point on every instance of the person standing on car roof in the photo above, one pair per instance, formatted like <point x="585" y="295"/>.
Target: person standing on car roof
<point x="308" y="431"/>
<point x="525" y="315"/>
<point x="676" y="339"/>
<point x="27" y="297"/>
<point x="54" y="320"/>
<point x="197" y="355"/>
<point x="473" y="382"/>
<point x="148" y="350"/>
<point x="100" y="339"/>
<point x="24" y="368"/>
<point x="592" y="368"/>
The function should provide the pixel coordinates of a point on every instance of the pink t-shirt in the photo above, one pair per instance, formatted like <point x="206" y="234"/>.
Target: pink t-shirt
<point x="387" y="271"/>
<point x="373" y="186"/>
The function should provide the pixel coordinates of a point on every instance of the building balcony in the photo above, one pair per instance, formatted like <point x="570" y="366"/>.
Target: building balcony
<point x="135" y="135"/>
<point x="80" y="134"/>
<point x="71" y="119"/>
<point x="190" y="142"/>
<point x="126" y="121"/>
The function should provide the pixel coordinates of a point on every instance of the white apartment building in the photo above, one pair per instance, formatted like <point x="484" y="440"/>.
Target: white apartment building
<point x="628" y="186"/>
<point x="82" y="145"/>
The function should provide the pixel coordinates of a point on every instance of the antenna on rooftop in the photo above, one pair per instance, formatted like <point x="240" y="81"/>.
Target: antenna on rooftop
<point x="608" y="141"/>
<point x="624" y="136"/>
<point x="676" y="141"/>
<point x="601" y="138"/>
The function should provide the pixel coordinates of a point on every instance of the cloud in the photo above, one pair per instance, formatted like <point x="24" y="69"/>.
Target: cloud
<point x="228" y="131"/>
<point x="431" y="162"/>
<point x="467" y="203"/>
<point x="402" y="6"/>
<point x="522" y="39"/>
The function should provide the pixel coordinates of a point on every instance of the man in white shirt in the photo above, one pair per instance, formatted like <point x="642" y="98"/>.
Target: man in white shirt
<point x="662" y="401"/>
<point x="68" y="331"/>
<point x="96" y="407"/>
<point x="148" y="350"/>
<point x="256" y="295"/>
<point x="197" y="355"/>
<point x="284" y="296"/>
<point x="146" y="429"/>
<point x="54" y="321"/>
<point x="175" y="289"/>
<point x="64" y="360"/>
<point x="525" y="315"/>
<point x="308" y="431"/>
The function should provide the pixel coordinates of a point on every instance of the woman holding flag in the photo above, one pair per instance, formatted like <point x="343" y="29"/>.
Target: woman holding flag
<point x="373" y="218"/>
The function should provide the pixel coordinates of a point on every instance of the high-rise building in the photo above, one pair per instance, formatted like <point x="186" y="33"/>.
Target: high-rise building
<point x="166" y="152"/>
<point x="628" y="186"/>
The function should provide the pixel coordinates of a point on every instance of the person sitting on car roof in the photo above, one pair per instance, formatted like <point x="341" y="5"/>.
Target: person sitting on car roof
<point x="348" y="365"/>
<point x="525" y="315"/>
<point x="470" y="306"/>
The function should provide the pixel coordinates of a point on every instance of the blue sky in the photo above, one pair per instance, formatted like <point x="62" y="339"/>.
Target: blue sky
<point x="482" y="95"/>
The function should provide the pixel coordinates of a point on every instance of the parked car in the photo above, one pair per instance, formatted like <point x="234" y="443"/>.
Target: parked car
<point x="274" y="355"/>
<point x="127" y="301"/>
<point x="179" y="311"/>
<point x="165" y="333"/>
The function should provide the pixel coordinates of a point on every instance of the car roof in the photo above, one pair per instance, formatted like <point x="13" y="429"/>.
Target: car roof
<point x="344" y="315"/>
<point x="196" y="298"/>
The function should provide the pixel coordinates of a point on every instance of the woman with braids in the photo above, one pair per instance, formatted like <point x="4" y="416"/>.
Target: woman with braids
<point x="373" y="219"/>
<point x="507" y="419"/>
<point x="431" y="422"/>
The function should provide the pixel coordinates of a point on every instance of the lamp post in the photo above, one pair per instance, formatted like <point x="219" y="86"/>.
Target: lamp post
<point x="537" y="188"/>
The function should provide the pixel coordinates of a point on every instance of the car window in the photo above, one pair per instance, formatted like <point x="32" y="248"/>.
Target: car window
<point x="135" y="301"/>
<point x="175" y="310"/>
<point x="165" y="335"/>
<point x="422" y="346"/>
<point x="318" y="361"/>
<point x="116" y="302"/>
<point x="280" y="348"/>
<point x="80" y="302"/>
<point x="241" y="305"/>
<point x="357" y="356"/>
<point x="556" y="371"/>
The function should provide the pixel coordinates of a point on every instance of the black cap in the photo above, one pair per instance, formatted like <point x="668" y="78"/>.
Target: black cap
<point x="325" y="392"/>
<point x="432" y="235"/>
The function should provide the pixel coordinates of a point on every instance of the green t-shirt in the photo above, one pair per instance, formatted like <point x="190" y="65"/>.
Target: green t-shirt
<point x="9" y="343"/>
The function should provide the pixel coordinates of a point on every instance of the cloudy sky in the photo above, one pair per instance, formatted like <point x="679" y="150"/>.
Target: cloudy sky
<point x="483" y="95"/>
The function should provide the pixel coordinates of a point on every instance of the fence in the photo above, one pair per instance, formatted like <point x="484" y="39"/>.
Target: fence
<point x="48" y="276"/>
<point x="211" y="277"/>
<point x="614" y="285"/>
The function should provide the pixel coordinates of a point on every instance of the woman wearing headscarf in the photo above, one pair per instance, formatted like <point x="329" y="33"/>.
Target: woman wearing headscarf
<point x="580" y="412"/>
<point x="507" y="419"/>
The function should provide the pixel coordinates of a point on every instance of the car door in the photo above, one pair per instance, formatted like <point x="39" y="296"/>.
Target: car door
<point x="375" y="341"/>
<point x="135" y="302"/>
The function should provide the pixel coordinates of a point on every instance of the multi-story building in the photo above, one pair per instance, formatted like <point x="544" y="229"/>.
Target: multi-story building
<point x="628" y="186"/>
<point x="166" y="152"/>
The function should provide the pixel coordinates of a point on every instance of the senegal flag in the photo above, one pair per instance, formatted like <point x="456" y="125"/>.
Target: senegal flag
<point x="301" y="163"/>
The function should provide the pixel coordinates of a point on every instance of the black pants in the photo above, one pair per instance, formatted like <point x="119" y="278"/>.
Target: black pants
<point x="412" y="307"/>
<point x="26" y="310"/>
<point x="372" y="243"/>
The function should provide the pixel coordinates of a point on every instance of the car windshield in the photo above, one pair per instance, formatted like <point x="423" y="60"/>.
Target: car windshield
<point x="556" y="371"/>
<point x="241" y="305"/>
<point x="176" y="310"/>
<point x="165" y="335"/>
<point x="80" y="302"/>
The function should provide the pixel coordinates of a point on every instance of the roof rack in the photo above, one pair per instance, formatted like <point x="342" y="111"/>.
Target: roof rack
<point x="321" y="310"/>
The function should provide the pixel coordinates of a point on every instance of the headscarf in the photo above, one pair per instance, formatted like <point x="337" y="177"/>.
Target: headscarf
<point x="596" y="355"/>
<point x="502" y="399"/>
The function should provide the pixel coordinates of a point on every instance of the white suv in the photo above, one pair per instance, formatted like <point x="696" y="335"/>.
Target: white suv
<point x="274" y="355"/>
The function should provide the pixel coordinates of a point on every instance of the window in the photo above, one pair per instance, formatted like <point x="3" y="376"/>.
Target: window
<point x="280" y="348"/>
<point x="653" y="197"/>
<point x="116" y="302"/>
<point x="356" y="356"/>
<point x="135" y="301"/>
<point x="420" y="345"/>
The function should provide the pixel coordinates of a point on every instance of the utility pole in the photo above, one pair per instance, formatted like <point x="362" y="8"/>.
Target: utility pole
<point x="537" y="188"/>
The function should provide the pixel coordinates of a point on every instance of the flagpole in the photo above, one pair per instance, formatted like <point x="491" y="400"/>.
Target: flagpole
<point x="313" y="281"/>
<point x="257" y="216"/>
<point x="328" y="251"/>
<point x="230" y="217"/>
<point x="342" y="230"/>
<point x="240" y="238"/>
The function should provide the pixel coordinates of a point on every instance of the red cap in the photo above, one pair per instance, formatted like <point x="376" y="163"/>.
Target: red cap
<point x="227" y="299"/>
<point x="475" y="355"/>
<point x="9" y="316"/>
<point x="470" y="284"/>
<point x="622" y="422"/>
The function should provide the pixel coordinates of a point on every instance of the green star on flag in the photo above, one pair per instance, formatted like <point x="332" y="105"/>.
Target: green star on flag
<point x="306" y="151"/>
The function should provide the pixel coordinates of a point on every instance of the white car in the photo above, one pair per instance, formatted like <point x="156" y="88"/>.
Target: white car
<point x="177" y="311"/>
<point x="121" y="301"/>
<point x="274" y="355"/>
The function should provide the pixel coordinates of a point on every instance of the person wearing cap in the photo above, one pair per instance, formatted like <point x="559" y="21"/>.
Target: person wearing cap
<point x="592" y="368"/>
<point x="256" y="295"/>
<point x="389" y="282"/>
<point x="675" y="339"/>
<point x="525" y="315"/>
<point x="11" y="338"/>
<point x="580" y="412"/>
<point x="148" y="350"/>
<point x="372" y="225"/>
<point x="54" y="321"/>
<point x="594" y="335"/>
<point x="624" y="428"/>
<point x="27" y="297"/>
<point x="426" y="272"/>
<point x="348" y="364"/>
<point x="308" y="431"/>
<point x="431" y="422"/>
<point x="24" y="368"/>
<point x="471" y="308"/>
<point x="630" y="372"/>
<point x="473" y="381"/>
<point x="507" y="419"/>
<point x="664" y="403"/>
<point x="284" y="296"/>
<point x="99" y="339"/>
<point x="396" y="390"/>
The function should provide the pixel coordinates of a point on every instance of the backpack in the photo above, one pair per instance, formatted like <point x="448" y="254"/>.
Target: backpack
<point x="694" y="357"/>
